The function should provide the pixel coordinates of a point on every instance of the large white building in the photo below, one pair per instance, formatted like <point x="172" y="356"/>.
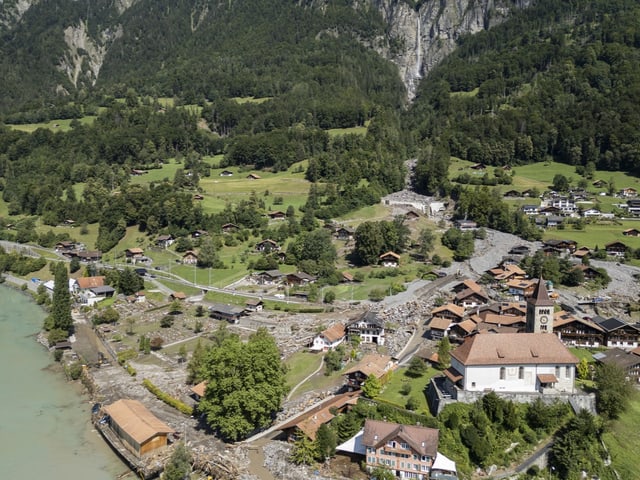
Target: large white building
<point x="513" y="363"/>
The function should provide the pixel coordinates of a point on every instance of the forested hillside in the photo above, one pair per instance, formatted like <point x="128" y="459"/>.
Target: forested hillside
<point x="560" y="80"/>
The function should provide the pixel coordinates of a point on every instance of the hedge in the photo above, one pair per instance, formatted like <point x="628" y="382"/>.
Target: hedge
<point x="168" y="399"/>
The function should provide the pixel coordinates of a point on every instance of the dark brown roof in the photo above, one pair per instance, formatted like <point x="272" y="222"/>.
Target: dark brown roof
<point x="422" y="440"/>
<point x="513" y="348"/>
<point x="540" y="296"/>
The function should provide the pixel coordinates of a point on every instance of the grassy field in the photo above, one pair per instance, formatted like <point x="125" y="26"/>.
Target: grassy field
<point x="597" y="234"/>
<point x="623" y="440"/>
<point x="300" y="365"/>
<point x="242" y="100"/>
<point x="63" y="125"/>
<point x="392" y="390"/>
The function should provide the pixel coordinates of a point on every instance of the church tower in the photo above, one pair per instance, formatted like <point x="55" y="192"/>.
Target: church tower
<point x="540" y="310"/>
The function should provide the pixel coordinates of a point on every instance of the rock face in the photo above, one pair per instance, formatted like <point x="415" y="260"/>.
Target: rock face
<point x="420" y="39"/>
<point x="417" y="38"/>
<point x="85" y="55"/>
<point x="11" y="11"/>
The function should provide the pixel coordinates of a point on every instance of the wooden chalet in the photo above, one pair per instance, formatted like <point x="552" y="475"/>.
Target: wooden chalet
<point x="466" y="225"/>
<point x="455" y="313"/>
<point x="198" y="197"/>
<point x="300" y="278"/>
<point x="178" y="296"/>
<point x="561" y="246"/>
<point x="134" y="253"/>
<point x="254" y="305"/>
<point x="470" y="298"/>
<point x="589" y="272"/>
<point x="371" y="364"/>
<point x="577" y="332"/>
<point x="346" y="277"/>
<point x="631" y="232"/>
<point x="308" y="423"/>
<point x="389" y="259"/>
<point x="459" y="331"/>
<point x="164" y="241"/>
<point x="230" y="228"/>
<point x="277" y="215"/>
<point x="267" y="245"/>
<point x="512" y="194"/>
<point x="65" y="246"/>
<point x="269" y="277"/>
<point x="629" y="362"/>
<point x="230" y="313"/>
<point x="618" y="333"/>
<point x="87" y="256"/>
<point x="521" y="288"/>
<point x="582" y="252"/>
<point x="199" y="233"/>
<point x="253" y="176"/>
<point x="344" y="233"/>
<point x="226" y="173"/>
<point x="616" y="249"/>
<point x="85" y="283"/>
<point x="136" y="427"/>
<point x="599" y="184"/>
<point x="190" y="258"/>
<point x="466" y="284"/>
<point x="439" y="327"/>
<point x="518" y="322"/>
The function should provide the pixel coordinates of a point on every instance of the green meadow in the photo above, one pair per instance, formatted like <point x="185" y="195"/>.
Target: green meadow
<point x="61" y="125"/>
<point x="622" y="439"/>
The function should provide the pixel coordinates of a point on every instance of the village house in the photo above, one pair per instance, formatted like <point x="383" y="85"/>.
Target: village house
<point x="198" y="197"/>
<point x="439" y="327"/>
<point x="411" y="215"/>
<point x="345" y="233"/>
<point x="226" y="173"/>
<point x="409" y="451"/>
<point x="599" y="184"/>
<point x="471" y="298"/>
<point x="591" y="213"/>
<point x="467" y="283"/>
<point x="308" y="423"/>
<point x="190" y="258"/>
<point x="512" y="194"/>
<point x="521" y="288"/>
<point x="517" y="322"/>
<point x="633" y="207"/>
<point x="87" y="256"/>
<point x="628" y="192"/>
<point x="519" y="250"/>
<point x="618" y="333"/>
<point x="199" y="390"/>
<point x="85" y="283"/>
<point x="631" y="232"/>
<point x="368" y="327"/>
<point x="589" y="272"/>
<point x="300" y="279"/>
<point x="267" y="245"/>
<point x="199" y="234"/>
<point x="458" y="331"/>
<point x="466" y="225"/>
<point x="253" y="305"/>
<point x="277" y="215"/>
<point x="180" y="296"/>
<point x="329" y="338"/>
<point x="577" y="332"/>
<point x="136" y="427"/>
<point x="164" y="241"/>
<point x="389" y="259"/>
<point x="530" y="209"/>
<point x="616" y="249"/>
<point x="230" y="228"/>
<point x="253" y="176"/>
<point x="582" y="252"/>
<point x="455" y="313"/>
<point x="230" y="313"/>
<point x="371" y="364"/>
<point x="269" y="277"/>
<point x="65" y="246"/>
<point x="513" y="362"/>
<point x="629" y="362"/>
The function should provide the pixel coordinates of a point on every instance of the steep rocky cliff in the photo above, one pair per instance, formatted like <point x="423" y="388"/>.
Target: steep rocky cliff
<point x="418" y="39"/>
<point x="11" y="11"/>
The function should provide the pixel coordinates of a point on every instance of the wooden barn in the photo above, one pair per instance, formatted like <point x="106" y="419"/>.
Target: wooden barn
<point x="136" y="427"/>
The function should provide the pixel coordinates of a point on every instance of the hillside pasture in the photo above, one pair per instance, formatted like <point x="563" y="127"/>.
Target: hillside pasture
<point x="57" y="125"/>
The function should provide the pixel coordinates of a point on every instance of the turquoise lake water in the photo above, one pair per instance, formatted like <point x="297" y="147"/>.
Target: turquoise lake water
<point x="45" y="432"/>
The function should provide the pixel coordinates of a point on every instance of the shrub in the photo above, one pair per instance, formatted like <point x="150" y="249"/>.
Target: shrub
<point x="74" y="370"/>
<point x="156" y="343"/>
<point x="57" y="355"/>
<point x="130" y="370"/>
<point x="126" y="355"/>
<point x="166" y="321"/>
<point x="405" y="389"/>
<point x="166" y="398"/>
<point x="413" y="404"/>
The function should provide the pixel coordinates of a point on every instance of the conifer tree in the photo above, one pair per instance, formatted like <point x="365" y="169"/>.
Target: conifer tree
<point x="61" y="303"/>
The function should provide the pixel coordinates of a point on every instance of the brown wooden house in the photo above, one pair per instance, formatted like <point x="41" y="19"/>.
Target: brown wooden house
<point x="136" y="427"/>
<point x="577" y="332"/>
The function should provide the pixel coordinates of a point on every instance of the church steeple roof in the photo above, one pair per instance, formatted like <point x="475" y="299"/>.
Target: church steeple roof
<point x="540" y="295"/>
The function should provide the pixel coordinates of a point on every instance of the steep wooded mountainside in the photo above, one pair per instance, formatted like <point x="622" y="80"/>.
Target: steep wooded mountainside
<point x="202" y="48"/>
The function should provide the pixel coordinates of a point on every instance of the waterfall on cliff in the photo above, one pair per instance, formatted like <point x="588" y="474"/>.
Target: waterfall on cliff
<point x="418" y="65"/>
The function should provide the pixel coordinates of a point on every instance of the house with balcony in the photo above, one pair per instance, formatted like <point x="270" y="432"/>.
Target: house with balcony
<point x="618" y="333"/>
<point x="368" y="327"/>
<point x="372" y="364"/>
<point x="577" y="332"/>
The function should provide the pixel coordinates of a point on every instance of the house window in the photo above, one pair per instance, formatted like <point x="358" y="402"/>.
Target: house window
<point x="521" y="373"/>
<point x="391" y="444"/>
<point x="567" y="371"/>
<point x="557" y="371"/>
<point x="404" y="446"/>
<point x="503" y="373"/>
<point x="473" y="384"/>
